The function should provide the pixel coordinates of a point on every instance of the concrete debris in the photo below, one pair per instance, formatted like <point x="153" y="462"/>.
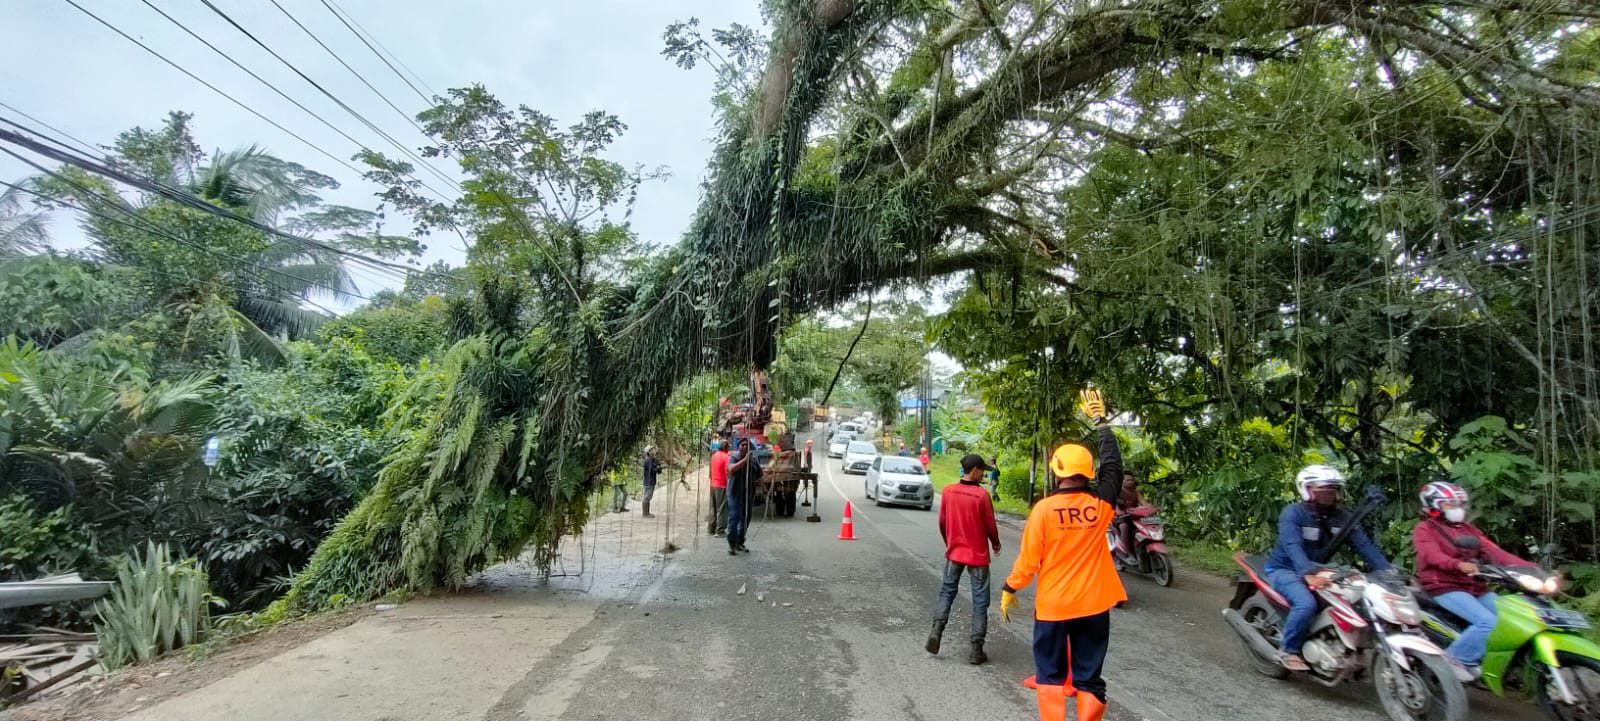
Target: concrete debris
<point x="741" y="589"/>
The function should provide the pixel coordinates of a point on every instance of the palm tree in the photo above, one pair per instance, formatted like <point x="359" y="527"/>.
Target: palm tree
<point x="274" y="284"/>
<point x="21" y="231"/>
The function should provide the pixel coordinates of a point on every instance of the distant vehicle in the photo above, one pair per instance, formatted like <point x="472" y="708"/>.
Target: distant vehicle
<point x="840" y="442"/>
<point x="858" y="456"/>
<point x="852" y="428"/>
<point x="899" y="481"/>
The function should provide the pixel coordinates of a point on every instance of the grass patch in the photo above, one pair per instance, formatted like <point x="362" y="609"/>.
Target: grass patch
<point x="1213" y="558"/>
<point x="946" y="469"/>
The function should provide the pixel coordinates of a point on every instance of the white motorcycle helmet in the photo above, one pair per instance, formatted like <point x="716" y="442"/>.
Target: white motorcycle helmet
<point x="1317" y="476"/>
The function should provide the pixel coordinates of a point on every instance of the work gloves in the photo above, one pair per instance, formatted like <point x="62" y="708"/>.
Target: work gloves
<point x="1093" y="404"/>
<point x="1008" y="601"/>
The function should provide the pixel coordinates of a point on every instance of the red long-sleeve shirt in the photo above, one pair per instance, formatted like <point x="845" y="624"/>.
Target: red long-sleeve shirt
<point x="966" y="520"/>
<point x="1439" y="560"/>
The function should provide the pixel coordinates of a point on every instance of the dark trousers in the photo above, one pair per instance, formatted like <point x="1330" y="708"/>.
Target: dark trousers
<point x="738" y="518"/>
<point x="1076" y="644"/>
<point x="718" y="522"/>
<point x="978" y="577"/>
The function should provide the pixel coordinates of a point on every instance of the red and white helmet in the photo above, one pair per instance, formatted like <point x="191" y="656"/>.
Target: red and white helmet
<point x="1317" y="476"/>
<point x="1439" y="492"/>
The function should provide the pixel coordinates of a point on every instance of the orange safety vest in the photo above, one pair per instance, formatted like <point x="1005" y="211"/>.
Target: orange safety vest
<point x="1064" y="545"/>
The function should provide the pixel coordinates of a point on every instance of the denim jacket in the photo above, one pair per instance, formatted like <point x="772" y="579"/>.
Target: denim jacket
<point x="1304" y="534"/>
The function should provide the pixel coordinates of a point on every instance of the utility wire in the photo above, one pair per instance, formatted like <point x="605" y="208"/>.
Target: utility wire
<point x="214" y="88"/>
<point x="346" y="65"/>
<point x="35" y="131"/>
<point x="346" y="18"/>
<point x="389" y="273"/>
<point x="263" y="81"/>
<point x="191" y="201"/>
<point x="143" y="224"/>
<point x="92" y="149"/>
<point x="352" y="111"/>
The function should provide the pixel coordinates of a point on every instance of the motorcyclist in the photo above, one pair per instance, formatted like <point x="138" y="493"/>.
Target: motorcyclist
<point x="1127" y="501"/>
<point x="1306" y="531"/>
<point x="1446" y="571"/>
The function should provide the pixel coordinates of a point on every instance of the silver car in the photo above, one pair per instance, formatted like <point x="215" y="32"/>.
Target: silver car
<point x="858" y="456"/>
<point x="839" y="443"/>
<point x="899" y="481"/>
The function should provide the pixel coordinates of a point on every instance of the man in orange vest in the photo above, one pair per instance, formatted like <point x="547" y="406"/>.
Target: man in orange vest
<point x="1064" y="546"/>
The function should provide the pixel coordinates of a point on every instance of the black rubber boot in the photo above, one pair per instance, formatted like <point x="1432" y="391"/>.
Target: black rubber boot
<point x="935" y="636"/>
<point x="977" y="656"/>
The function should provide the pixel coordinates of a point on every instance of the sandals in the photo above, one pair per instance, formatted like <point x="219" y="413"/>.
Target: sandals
<point x="1293" y="662"/>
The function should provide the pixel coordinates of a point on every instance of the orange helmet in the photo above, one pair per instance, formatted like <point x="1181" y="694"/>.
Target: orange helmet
<point x="1072" y="459"/>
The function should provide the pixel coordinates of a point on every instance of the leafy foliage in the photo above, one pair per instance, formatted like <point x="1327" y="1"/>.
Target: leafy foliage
<point x="157" y="604"/>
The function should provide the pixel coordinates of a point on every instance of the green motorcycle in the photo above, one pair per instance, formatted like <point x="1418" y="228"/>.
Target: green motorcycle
<point x="1534" y="645"/>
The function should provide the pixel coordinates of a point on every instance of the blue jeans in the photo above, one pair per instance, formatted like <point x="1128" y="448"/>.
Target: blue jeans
<point x="738" y="518"/>
<point x="1302" y="606"/>
<point x="978" y="577"/>
<point x="1469" y="648"/>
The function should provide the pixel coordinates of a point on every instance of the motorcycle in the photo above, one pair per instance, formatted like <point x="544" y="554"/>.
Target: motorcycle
<point x="1367" y="625"/>
<point x="1149" y="552"/>
<point x="1534" y="645"/>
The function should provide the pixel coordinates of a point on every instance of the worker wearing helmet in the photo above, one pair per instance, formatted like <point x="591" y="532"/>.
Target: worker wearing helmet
<point x="1064" y="546"/>
<point x="1446" y="571"/>
<point x="1306" y="532"/>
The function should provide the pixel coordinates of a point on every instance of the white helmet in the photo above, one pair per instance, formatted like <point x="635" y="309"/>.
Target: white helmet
<point x="1317" y="476"/>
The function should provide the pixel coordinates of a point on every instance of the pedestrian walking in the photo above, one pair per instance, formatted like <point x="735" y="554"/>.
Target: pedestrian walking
<point x="743" y="473"/>
<point x="924" y="458"/>
<point x="652" y="470"/>
<point x="904" y="452"/>
<point x="994" y="479"/>
<point x="966" y="521"/>
<point x="717" y="523"/>
<point x="1064" y="547"/>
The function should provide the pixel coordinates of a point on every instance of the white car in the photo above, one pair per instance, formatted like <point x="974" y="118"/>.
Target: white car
<point x="851" y="427"/>
<point x="840" y="442"/>
<point x="859" y="456"/>
<point x="900" y="481"/>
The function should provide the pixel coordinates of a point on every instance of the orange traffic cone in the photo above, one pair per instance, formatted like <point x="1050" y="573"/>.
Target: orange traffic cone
<point x="847" y="527"/>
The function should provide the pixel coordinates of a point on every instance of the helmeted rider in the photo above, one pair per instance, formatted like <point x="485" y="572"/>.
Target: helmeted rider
<point x="1446" y="571"/>
<point x="1306" y="531"/>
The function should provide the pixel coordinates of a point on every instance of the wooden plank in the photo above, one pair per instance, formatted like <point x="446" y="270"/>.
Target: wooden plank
<point x="24" y="694"/>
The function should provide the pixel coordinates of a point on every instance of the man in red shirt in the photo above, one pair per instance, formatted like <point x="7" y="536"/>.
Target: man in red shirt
<point x="717" y="524"/>
<point x="966" y="520"/>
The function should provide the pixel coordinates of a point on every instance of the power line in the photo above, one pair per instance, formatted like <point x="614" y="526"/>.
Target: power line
<point x="352" y="111"/>
<point x="92" y="149"/>
<point x="346" y="65"/>
<point x="214" y="88"/>
<point x="143" y="224"/>
<point x="191" y="201"/>
<point x="263" y="81"/>
<point x="342" y="14"/>
<point x="67" y="149"/>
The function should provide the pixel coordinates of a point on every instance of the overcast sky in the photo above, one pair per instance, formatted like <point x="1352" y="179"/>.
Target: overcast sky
<point x="562" y="58"/>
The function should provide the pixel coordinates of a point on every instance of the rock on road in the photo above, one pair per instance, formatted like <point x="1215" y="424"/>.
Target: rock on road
<point x="825" y="630"/>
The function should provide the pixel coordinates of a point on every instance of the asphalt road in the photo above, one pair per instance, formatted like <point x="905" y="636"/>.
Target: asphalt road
<point x="645" y="619"/>
<point x="1172" y="656"/>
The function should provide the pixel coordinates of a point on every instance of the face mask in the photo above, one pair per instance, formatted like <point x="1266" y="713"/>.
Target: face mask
<point x="1455" y="515"/>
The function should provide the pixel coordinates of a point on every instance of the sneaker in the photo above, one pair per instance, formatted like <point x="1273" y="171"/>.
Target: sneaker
<point x="732" y="552"/>
<point x="1466" y="673"/>
<point x="742" y="548"/>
